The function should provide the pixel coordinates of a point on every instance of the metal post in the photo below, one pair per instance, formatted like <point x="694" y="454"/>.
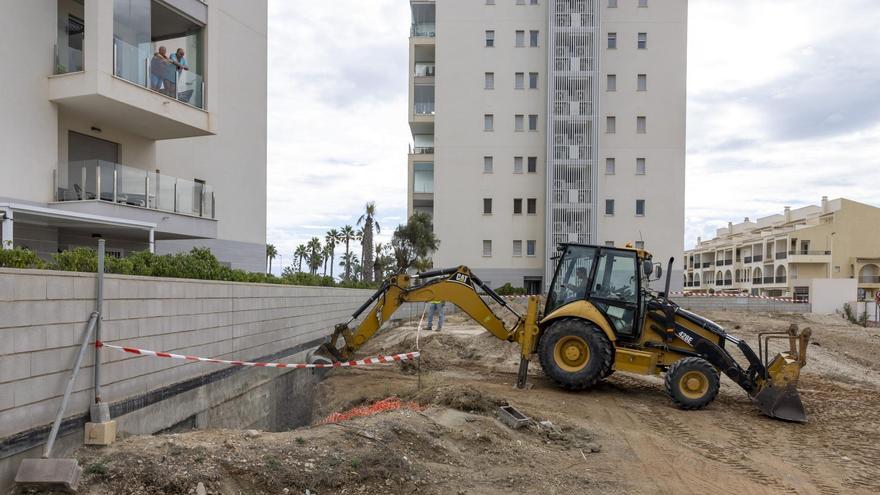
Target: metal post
<point x="6" y="238"/>
<point x="147" y="73"/>
<point x="99" y="310"/>
<point x="98" y="179"/>
<point x="147" y="190"/>
<point x="115" y="180"/>
<point x="55" y="185"/>
<point x="82" y="180"/>
<point x="47" y="451"/>
<point x="175" y="195"/>
<point x="152" y="241"/>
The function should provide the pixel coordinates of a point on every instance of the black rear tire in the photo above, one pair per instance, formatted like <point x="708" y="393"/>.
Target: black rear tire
<point x="692" y="383"/>
<point x="575" y="353"/>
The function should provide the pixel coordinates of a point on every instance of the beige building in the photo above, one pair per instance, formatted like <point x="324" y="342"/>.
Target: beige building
<point x="102" y="139"/>
<point x="779" y="255"/>
<point x="537" y="122"/>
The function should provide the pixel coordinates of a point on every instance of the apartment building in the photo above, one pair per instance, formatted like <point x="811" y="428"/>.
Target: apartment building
<point x="537" y="122"/>
<point x="779" y="255"/>
<point x="103" y="139"/>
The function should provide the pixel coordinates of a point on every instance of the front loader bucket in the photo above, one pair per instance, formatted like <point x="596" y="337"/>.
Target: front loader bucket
<point x="781" y="402"/>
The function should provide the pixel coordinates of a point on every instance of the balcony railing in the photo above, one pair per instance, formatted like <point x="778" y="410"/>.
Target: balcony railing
<point x="67" y="59"/>
<point x="806" y="252"/>
<point x="780" y="280"/>
<point x="423" y="107"/>
<point x="781" y="256"/>
<point x="424" y="70"/>
<point x="423" y="29"/>
<point x="421" y="150"/>
<point x="869" y="279"/>
<point x="747" y="259"/>
<point x="707" y="264"/>
<point x="768" y="280"/>
<point x="728" y="262"/>
<point x="137" y="64"/>
<point x="719" y="263"/>
<point x="756" y="280"/>
<point x="757" y="258"/>
<point x="107" y="181"/>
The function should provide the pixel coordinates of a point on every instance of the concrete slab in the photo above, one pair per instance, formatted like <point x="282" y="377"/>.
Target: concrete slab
<point x="51" y="474"/>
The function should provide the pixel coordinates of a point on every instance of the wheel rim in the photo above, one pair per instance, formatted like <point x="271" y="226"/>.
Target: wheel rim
<point x="571" y="353"/>
<point x="693" y="384"/>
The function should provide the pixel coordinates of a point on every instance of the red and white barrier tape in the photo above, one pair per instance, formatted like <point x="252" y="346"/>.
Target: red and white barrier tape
<point x="338" y="364"/>
<point x="724" y="294"/>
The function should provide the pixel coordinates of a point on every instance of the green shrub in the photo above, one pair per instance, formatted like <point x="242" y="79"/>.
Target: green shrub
<point x="20" y="257"/>
<point x="509" y="290"/>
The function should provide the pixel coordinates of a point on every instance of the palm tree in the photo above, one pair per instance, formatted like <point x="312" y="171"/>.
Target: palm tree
<point x="369" y="221"/>
<point x="271" y="253"/>
<point x="346" y="235"/>
<point x="300" y="254"/>
<point x="330" y="240"/>
<point x="348" y="261"/>
<point x="314" y="250"/>
<point x="326" y="253"/>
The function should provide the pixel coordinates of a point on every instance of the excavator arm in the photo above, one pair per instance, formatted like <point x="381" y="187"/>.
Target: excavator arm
<point x="456" y="285"/>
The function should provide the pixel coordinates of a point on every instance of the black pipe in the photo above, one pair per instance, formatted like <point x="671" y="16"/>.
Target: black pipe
<point x="668" y="275"/>
<point x="441" y="271"/>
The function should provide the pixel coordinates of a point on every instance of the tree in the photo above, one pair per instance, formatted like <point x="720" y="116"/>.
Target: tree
<point x="300" y="254"/>
<point x="383" y="263"/>
<point x="315" y="255"/>
<point x="271" y="253"/>
<point x="330" y="240"/>
<point x="347" y="234"/>
<point x="348" y="261"/>
<point x="414" y="242"/>
<point x="326" y="254"/>
<point x="369" y="221"/>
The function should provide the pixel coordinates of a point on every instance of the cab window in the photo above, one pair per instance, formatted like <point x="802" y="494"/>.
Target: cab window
<point x="616" y="277"/>
<point x="572" y="277"/>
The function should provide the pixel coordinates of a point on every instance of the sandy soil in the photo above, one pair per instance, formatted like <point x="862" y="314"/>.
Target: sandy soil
<point x="622" y="437"/>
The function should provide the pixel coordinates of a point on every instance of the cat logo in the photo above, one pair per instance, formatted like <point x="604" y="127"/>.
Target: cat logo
<point x="462" y="279"/>
<point x="685" y="337"/>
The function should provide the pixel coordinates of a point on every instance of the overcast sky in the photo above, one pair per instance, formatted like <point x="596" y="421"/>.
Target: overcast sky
<point x="783" y="108"/>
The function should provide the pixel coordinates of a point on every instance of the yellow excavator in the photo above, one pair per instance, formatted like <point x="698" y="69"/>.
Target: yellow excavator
<point x="600" y="316"/>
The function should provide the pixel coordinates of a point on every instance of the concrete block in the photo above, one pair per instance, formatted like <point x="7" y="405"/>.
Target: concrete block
<point x="29" y="288"/>
<point x="84" y="287"/>
<point x="6" y="283"/>
<point x="27" y="339"/>
<point x="63" y="335"/>
<point x="14" y="367"/>
<point x="60" y="288"/>
<point x="7" y="397"/>
<point x="53" y="474"/>
<point x="55" y="360"/>
<point x="100" y="433"/>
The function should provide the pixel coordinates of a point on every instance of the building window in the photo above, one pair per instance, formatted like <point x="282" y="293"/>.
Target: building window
<point x="610" y="166"/>
<point x="517" y="248"/>
<point x="517" y="206"/>
<point x="490" y="38"/>
<point x="640" y="207"/>
<point x="612" y="4"/>
<point x="612" y="41"/>
<point x="488" y="122"/>
<point x="532" y="206"/>
<point x="487" y="248"/>
<point x="640" y="166"/>
<point x="640" y="244"/>
<point x="519" y="80"/>
<point x="530" y="247"/>
<point x="533" y="164"/>
<point x="642" y="41"/>
<point x="533" y="38"/>
<point x="517" y="165"/>
<point x="609" y="243"/>
<point x="643" y="3"/>
<point x="610" y="124"/>
<point x="609" y="207"/>
<point x="518" y="123"/>
<point x="642" y="82"/>
<point x="487" y="206"/>
<point x="641" y="124"/>
<point x="533" y="122"/>
<point x="533" y="80"/>
<point x="488" y="165"/>
<point x="611" y="82"/>
<point x="490" y="81"/>
<point x="520" y="38"/>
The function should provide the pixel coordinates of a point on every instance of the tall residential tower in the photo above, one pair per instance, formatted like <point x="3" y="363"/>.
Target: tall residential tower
<point x="537" y="122"/>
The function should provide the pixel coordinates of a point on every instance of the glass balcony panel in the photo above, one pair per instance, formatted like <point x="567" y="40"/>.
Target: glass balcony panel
<point x="163" y="185"/>
<point x="208" y="201"/>
<point x="106" y="172"/>
<point x="70" y="37"/>
<point x="186" y="197"/>
<point x="423" y="177"/>
<point x="131" y="186"/>
<point x="424" y="69"/>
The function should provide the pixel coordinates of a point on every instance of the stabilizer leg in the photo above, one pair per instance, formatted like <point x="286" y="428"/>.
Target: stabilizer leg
<point x="523" y="373"/>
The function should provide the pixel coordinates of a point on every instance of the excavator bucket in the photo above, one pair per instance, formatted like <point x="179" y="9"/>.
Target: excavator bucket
<point x="777" y="396"/>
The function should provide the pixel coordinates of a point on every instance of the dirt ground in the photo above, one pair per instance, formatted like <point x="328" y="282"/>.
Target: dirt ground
<point x="622" y="437"/>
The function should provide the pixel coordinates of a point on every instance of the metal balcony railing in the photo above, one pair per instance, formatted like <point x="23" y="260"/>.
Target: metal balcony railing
<point x="781" y="256"/>
<point x="768" y="280"/>
<point x="422" y="150"/>
<point x="869" y="279"/>
<point x="728" y="262"/>
<point x="423" y="29"/>
<point x="756" y="280"/>
<point x="747" y="259"/>
<point x="707" y="264"/>
<point x="423" y="108"/>
<point x="780" y="280"/>
<point x="757" y="258"/>
<point x="806" y="252"/>
<point x="719" y="262"/>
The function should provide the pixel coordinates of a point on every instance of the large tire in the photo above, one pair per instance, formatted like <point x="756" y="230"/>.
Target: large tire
<point x="692" y="383"/>
<point x="575" y="353"/>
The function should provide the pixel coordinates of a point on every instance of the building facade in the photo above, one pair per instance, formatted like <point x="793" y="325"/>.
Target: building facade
<point x="537" y="122"/>
<point x="102" y="138"/>
<point x="779" y="255"/>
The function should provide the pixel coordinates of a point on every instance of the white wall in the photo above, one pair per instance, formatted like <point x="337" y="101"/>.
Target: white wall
<point x="828" y="295"/>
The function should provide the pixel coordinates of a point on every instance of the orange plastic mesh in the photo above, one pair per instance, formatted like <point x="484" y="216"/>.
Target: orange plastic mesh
<point x="389" y="404"/>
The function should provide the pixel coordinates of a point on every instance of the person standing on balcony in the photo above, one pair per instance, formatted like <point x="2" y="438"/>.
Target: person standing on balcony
<point x="157" y="69"/>
<point x="178" y="58"/>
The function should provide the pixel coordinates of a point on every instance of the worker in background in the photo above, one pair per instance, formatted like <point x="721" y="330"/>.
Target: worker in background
<point x="440" y="308"/>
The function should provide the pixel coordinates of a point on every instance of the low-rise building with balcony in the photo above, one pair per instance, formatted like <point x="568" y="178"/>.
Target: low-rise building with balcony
<point x="135" y="121"/>
<point x="779" y="255"/>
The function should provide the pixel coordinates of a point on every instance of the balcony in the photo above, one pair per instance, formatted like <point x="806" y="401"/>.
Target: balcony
<point x="113" y="190"/>
<point x="421" y="150"/>
<point x="756" y="281"/>
<point x="781" y="280"/>
<point x="423" y="108"/>
<point x="869" y="279"/>
<point x="757" y="258"/>
<point x="808" y="256"/>
<point x="424" y="69"/>
<point x="781" y="256"/>
<point x="728" y="262"/>
<point x="114" y="78"/>
<point x="423" y="179"/>
<point x="768" y="280"/>
<point x="707" y="264"/>
<point x="719" y="263"/>
<point x="423" y="20"/>
<point x="747" y="259"/>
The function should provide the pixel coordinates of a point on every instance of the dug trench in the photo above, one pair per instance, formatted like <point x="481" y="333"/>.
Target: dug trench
<point x="624" y="436"/>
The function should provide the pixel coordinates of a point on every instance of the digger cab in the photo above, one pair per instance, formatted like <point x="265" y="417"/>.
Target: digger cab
<point x="610" y="278"/>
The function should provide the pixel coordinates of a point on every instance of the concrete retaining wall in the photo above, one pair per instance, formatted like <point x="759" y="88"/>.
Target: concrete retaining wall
<point x="698" y="304"/>
<point x="43" y="315"/>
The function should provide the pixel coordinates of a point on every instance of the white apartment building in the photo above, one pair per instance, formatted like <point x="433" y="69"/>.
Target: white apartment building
<point x="537" y="122"/>
<point x="100" y="138"/>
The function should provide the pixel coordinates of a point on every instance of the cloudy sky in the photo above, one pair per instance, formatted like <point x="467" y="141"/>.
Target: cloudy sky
<point x="783" y="108"/>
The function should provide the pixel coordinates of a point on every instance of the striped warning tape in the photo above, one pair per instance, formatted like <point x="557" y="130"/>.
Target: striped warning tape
<point x="724" y="294"/>
<point x="337" y="364"/>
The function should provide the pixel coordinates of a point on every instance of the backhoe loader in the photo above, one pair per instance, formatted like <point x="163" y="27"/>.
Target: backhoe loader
<point x="600" y="316"/>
